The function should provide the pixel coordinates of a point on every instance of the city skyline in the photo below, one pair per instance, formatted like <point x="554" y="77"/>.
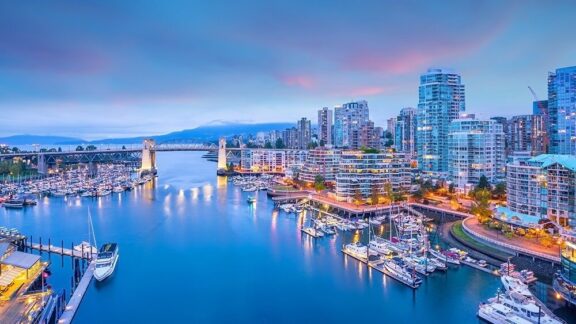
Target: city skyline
<point x="161" y="69"/>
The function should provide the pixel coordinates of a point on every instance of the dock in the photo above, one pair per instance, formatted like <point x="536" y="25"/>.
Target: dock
<point x="74" y="302"/>
<point x="59" y="250"/>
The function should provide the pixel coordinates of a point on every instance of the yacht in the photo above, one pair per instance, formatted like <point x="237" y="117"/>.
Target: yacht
<point x="524" y="307"/>
<point x="396" y="270"/>
<point x="106" y="261"/>
<point x="314" y="232"/>
<point x="516" y="285"/>
<point x="356" y="250"/>
<point x="499" y="314"/>
<point x="380" y="246"/>
<point x="445" y="256"/>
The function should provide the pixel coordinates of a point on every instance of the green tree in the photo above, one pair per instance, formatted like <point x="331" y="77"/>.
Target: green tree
<point x="312" y="145"/>
<point x="90" y="148"/>
<point x="451" y="188"/>
<point x="319" y="182"/>
<point x="481" y="205"/>
<point x="500" y="190"/>
<point x="375" y="195"/>
<point x="59" y="149"/>
<point x="358" y="198"/>
<point x="15" y="149"/>
<point x="16" y="168"/>
<point x="268" y="145"/>
<point x="79" y="148"/>
<point x="388" y="192"/>
<point x="483" y="183"/>
<point x="322" y="143"/>
<point x="280" y="144"/>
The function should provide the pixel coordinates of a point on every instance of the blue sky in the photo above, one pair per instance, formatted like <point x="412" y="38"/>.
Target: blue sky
<point x="99" y="69"/>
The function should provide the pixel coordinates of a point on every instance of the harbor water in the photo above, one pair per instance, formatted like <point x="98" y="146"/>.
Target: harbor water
<point x="193" y="250"/>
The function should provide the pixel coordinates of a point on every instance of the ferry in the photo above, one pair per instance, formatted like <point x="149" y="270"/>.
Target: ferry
<point x="106" y="261"/>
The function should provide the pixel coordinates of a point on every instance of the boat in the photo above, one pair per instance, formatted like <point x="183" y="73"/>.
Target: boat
<point x="438" y="264"/>
<point x="516" y="285"/>
<point x="445" y="256"/>
<point x="86" y="248"/>
<point x="380" y="246"/>
<point x="524" y="307"/>
<point x="106" y="261"/>
<point x="312" y="232"/>
<point x="396" y="270"/>
<point x="527" y="276"/>
<point x="356" y="250"/>
<point x="482" y="263"/>
<point x="499" y="314"/>
<point x="13" y="204"/>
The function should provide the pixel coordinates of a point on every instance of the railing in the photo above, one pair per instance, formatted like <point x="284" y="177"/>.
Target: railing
<point x="509" y="246"/>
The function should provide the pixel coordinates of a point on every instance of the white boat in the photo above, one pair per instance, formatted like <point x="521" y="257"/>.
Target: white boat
<point x="356" y="250"/>
<point x="102" y="193"/>
<point x="118" y="189"/>
<point x="312" y="232"/>
<point x="251" y="200"/>
<point x="524" y="307"/>
<point x="515" y="285"/>
<point x="499" y="314"/>
<point x="14" y="204"/>
<point x="448" y="258"/>
<point x="400" y="273"/>
<point x="86" y="248"/>
<point x="438" y="264"/>
<point x="106" y="261"/>
<point x="380" y="246"/>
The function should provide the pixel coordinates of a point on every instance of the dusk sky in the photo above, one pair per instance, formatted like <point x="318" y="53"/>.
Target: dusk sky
<point x="97" y="69"/>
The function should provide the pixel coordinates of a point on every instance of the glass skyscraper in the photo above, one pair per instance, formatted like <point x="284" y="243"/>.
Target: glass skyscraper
<point x="562" y="110"/>
<point x="348" y="122"/>
<point x="441" y="100"/>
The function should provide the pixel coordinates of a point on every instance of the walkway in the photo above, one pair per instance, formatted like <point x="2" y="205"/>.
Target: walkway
<point x="76" y="298"/>
<point x="517" y="244"/>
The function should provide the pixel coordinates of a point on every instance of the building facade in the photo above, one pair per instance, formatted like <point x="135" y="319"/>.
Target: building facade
<point x="304" y="129"/>
<point x="348" y="121"/>
<point x="325" y="124"/>
<point x="361" y="173"/>
<point x="562" y="110"/>
<point x="543" y="187"/>
<point x="271" y="160"/>
<point x="475" y="149"/>
<point x="527" y="133"/>
<point x="405" y="132"/>
<point x="321" y="161"/>
<point x="441" y="100"/>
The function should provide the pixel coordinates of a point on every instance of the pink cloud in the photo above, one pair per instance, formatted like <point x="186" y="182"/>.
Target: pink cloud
<point x="300" y="81"/>
<point x="368" y="91"/>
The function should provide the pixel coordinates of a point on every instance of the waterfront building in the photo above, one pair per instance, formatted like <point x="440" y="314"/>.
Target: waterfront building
<point x="504" y="122"/>
<point x="321" y="161"/>
<point x="325" y="121"/>
<point x="362" y="173"/>
<point x="565" y="282"/>
<point x="270" y="160"/>
<point x="348" y="120"/>
<point x="405" y="131"/>
<point x="368" y="136"/>
<point x="475" y="149"/>
<point x="304" y="133"/>
<point x="441" y="100"/>
<point x="527" y="133"/>
<point x="562" y="110"/>
<point x="290" y="138"/>
<point x="542" y="187"/>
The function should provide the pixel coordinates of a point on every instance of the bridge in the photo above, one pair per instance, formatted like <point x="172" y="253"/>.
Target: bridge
<point x="144" y="156"/>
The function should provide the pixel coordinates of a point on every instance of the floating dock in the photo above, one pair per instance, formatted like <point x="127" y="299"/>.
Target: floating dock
<point x="76" y="298"/>
<point x="59" y="250"/>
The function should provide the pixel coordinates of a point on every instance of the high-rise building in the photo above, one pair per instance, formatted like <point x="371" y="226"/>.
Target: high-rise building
<point x="304" y="127"/>
<point x="290" y="138"/>
<point x="475" y="149"/>
<point x="325" y="119"/>
<point x="368" y="136"/>
<point x="348" y="121"/>
<point x="405" y="132"/>
<point x="562" y="110"/>
<point x="441" y="100"/>
<point x="391" y="126"/>
<point x="321" y="161"/>
<point x="526" y="133"/>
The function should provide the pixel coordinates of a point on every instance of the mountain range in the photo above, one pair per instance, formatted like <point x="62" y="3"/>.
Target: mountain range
<point x="205" y="133"/>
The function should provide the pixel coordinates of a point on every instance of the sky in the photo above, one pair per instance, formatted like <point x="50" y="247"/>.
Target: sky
<point x="100" y="69"/>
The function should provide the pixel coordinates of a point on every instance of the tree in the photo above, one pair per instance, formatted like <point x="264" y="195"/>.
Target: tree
<point x="500" y="190"/>
<point x="374" y="195"/>
<point x="358" y="198"/>
<point x="79" y="148"/>
<point x="483" y="183"/>
<point x="388" y="192"/>
<point x="268" y="145"/>
<point x="59" y="149"/>
<point x="123" y="147"/>
<point x="15" y="149"/>
<point x="451" y="188"/>
<point x="280" y="144"/>
<point x="312" y="145"/>
<point x="90" y="148"/>
<point x="481" y="205"/>
<point x="319" y="183"/>
<point x="322" y="143"/>
<point x="16" y="168"/>
<point x="230" y="167"/>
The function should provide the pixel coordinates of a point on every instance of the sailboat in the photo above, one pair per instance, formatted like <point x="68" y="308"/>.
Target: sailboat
<point x="86" y="247"/>
<point x="106" y="259"/>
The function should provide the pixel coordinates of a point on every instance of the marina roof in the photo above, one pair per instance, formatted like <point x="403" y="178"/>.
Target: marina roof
<point x="21" y="260"/>
<point x="511" y="217"/>
<point x="567" y="161"/>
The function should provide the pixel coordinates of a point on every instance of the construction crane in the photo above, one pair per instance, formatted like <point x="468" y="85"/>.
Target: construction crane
<point x="541" y="106"/>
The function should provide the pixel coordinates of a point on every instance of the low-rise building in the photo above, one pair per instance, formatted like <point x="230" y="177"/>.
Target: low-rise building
<point x="271" y="160"/>
<point x="360" y="173"/>
<point x="321" y="161"/>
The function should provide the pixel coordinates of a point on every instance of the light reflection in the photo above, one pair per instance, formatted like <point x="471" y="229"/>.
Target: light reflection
<point x="180" y="198"/>
<point x="207" y="191"/>
<point x="274" y="220"/>
<point x="194" y="192"/>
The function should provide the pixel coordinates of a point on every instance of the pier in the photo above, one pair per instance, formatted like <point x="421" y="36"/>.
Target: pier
<point x="60" y="250"/>
<point x="76" y="298"/>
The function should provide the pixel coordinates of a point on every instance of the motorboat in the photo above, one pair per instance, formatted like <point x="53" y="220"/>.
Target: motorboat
<point x="515" y="285"/>
<point x="14" y="204"/>
<point x="106" y="261"/>
<point x="356" y="250"/>
<point x="399" y="272"/>
<point x="380" y="246"/>
<point x="499" y="314"/>
<point x="445" y="256"/>
<point x="312" y="231"/>
<point x="524" y="307"/>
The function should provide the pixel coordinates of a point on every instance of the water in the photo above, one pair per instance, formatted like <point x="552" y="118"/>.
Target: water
<point x="192" y="250"/>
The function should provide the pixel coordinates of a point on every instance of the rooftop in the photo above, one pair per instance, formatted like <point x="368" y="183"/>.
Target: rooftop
<point x="546" y="160"/>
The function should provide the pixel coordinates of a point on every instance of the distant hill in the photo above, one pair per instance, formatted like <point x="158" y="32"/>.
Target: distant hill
<point x="200" y="134"/>
<point x="37" y="139"/>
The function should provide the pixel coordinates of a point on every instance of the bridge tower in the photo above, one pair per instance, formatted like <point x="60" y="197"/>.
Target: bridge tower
<point x="148" y="157"/>
<point x="42" y="165"/>
<point x="222" y="163"/>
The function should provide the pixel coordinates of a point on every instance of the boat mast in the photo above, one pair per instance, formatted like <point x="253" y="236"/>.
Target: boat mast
<point x="92" y="229"/>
